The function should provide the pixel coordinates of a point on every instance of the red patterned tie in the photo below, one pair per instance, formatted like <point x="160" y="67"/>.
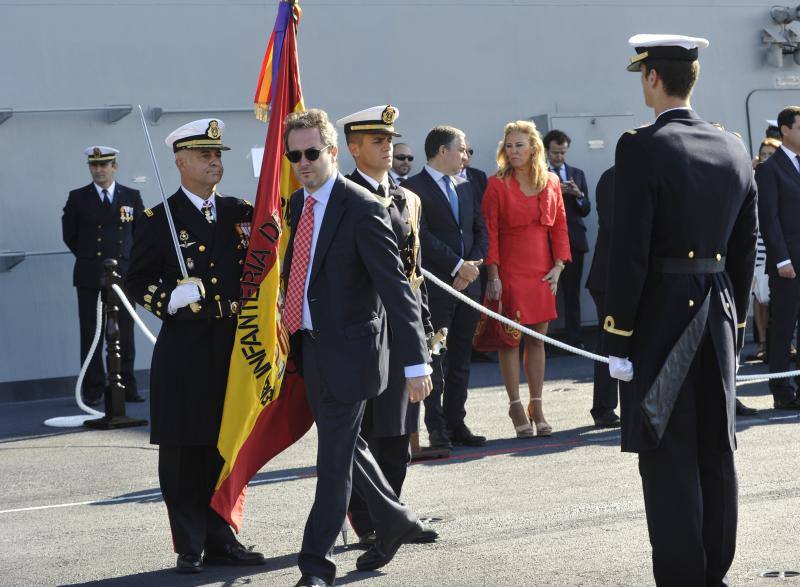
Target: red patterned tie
<point x="293" y="308"/>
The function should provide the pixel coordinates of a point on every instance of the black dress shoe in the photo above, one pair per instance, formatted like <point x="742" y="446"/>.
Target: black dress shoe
<point x="743" y="410"/>
<point x="384" y="549"/>
<point x="607" y="420"/>
<point x="367" y="539"/>
<point x="463" y="436"/>
<point x="787" y="404"/>
<point x="233" y="555"/>
<point x="426" y="536"/>
<point x="311" y="581"/>
<point x="439" y="439"/>
<point x="133" y="397"/>
<point x="189" y="563"/>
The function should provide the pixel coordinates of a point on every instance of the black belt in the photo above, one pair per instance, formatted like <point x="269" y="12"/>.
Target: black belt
<point x="222" y="308"/>
<point x="687" y="266"/>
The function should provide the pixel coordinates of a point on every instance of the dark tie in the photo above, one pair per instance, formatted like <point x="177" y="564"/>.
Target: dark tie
<point x="381" y="191"/>
<point x="557" y="171"/>
<point x="106" y="200"/>
<point x="207" y="212"/>
<point x="400" y="180"/>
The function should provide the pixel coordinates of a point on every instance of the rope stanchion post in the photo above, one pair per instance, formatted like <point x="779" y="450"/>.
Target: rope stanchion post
<point x="115" y="416"/>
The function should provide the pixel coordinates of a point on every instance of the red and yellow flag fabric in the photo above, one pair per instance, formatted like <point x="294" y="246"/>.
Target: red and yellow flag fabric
<point x="265" y="405"/>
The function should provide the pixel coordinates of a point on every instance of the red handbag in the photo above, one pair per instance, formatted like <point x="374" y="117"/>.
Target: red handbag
<point x="491" y="334"/>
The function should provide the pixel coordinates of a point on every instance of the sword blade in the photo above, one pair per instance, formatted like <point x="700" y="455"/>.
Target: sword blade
<point x="172" y="232"/>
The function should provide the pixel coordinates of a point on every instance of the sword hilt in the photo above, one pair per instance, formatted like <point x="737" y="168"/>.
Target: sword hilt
<point x="195" y="306"/>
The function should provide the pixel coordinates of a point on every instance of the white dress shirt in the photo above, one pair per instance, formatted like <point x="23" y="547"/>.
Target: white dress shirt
<point x="438" y="177"/>
<point x="375" y="184"/>
<point x="793" y="158"/>
<point x="110" y="189"/>
<point x="199" y="202"/>
<point x="321" y="198"/>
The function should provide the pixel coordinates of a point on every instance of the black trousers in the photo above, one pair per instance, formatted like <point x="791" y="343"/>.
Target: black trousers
<point x="570" y="286"/>
<point x="784" y="305"/>
<point x="393" y="455"/>
<point x="690" y="487"/>
<point x="344" y="464"/>
<point x="446" y="404"/>
<point x="187" y="475"/>
<point x="606" y="389"/>
<point x="94" y="382"/>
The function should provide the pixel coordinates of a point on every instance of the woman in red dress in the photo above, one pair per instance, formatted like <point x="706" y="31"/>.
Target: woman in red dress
<point x="528" y="246"/>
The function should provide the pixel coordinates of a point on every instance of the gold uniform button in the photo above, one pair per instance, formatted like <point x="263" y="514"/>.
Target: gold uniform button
<point x="214" y="280"/>
<point x="201" y="248"/>
<point x="158" y="304"/>
<point x="691" y="303"/>
<point x="99" y="254"/>
<point x="99" y="240"/>
<point x="120" y="227"/>
<point x="211" y="264"/>
<point x="691" y="254"/>
<point x="718" y="257"/>
<point x="99" y="226"/>
<point x="241" y="262"/>
<point x="217" y="298"/>
<point x="163" y="295"/>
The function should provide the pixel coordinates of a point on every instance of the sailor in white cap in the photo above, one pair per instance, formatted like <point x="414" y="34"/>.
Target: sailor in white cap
<point x="98" y="224"/>
<point x="681" y="266"/>
<point x="189" y="370"/>
<point x="389" y="419"/>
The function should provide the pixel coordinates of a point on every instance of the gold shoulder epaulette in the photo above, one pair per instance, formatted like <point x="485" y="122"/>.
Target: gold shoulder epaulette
<point x="148" y="212"/>
<point x="247" y="202"/>
<point x="632" y="131"/>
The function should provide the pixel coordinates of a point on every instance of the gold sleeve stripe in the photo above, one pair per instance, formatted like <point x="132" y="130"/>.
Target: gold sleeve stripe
<point x="148" y="212"/>
<point x="609" y="324"/>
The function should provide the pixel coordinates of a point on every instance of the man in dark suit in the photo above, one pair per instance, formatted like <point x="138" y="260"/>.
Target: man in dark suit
<point x="778" y="181"/>
<point x="606" y="392"/>
<point x="681" y="266"/>
<point x="345" y="287"/>
<point x="474" y="175"/>
<point x="189" y="370"/>
<point x="402" y="158"/>
<point x="454" y="242"/>
<point x="389" y="419"/>
<point x="98" y="223"/>
<point x="577" y="207"/>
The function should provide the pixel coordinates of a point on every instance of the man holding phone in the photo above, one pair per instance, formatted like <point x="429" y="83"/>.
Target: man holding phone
<point x="577" y="206"/>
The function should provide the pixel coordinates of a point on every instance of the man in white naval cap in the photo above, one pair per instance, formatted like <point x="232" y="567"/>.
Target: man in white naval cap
<point x="98" y="224"/>
<point x="189" y="369"/>
<point x="389" y="419"/>
<point x="681" y="265"/>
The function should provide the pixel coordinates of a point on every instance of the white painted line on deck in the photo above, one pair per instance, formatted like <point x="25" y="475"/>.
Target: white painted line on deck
<point x="124" y="499"/>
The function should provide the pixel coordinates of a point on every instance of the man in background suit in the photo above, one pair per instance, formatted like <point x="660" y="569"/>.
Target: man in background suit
<point x="98" y="224"/>
<point x="389" y="419"/>
<point x="778" y="181"/>
<point x="345" y="287"/>
<point x="454" y="242"/>
<point x="606" y="396"/>
<point x="577" y="206"/>
<point x="402" y="158"/>
<point x="474" y="175"/>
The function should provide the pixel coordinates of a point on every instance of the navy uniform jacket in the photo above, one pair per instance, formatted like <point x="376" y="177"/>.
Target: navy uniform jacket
<point x="391" y="414"/>
<point x="682" y="256"/>
<point x="598" y="273"/>
<point x="94" y="234"/>
<point x="357" y="283"/>
<point x="442" y="237"/>
<point x="189" y="369"/>
<point x="779" y="210"/>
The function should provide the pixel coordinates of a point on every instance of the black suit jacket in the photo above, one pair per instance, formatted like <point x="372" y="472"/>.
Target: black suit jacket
<point x="478" y="180"/>
<point x="95" y="234"/>
<point x="598" y="273"/>
<point x="442" y="236"/>
<point x="356" y="284"/>
<point x="577" y="209"/>
<point x="779" y="210"/>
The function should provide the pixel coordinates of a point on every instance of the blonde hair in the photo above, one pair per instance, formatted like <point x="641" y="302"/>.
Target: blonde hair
<point x="538" y="163"/>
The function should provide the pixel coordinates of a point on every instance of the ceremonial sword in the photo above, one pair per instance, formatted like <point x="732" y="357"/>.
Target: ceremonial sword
<point x="181" y="263"/>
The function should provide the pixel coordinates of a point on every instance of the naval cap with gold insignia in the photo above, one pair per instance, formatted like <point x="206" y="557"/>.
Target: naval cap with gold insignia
<point x="664" y="47"/>
<point x="205" y="133"/>
<point x="378" y="119"/>
<point x="100" y="154"/>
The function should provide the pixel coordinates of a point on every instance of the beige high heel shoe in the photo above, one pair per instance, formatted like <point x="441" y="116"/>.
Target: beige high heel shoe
<point x="542" y="428"/>
<point x="518" y="419"/>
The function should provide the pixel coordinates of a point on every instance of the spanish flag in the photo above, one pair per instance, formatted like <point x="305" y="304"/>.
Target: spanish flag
<point x="265" y="405"/>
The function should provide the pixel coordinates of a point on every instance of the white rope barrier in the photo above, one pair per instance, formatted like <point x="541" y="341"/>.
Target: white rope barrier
<point x="557" y="343"/>
<point x="123" y="298"/>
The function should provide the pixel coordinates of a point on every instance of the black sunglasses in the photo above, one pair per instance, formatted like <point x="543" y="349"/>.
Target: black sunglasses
<point x="471" y="152"/>
<point x="408" y="158"/>
<point x="311" y="154"/>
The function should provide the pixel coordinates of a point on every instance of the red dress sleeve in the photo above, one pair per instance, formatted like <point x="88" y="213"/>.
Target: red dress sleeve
<point x="558" y="232"/>
<point x="490" y="207"/>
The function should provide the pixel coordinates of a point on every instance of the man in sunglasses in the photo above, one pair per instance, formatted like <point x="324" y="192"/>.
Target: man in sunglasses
<point x="390" y="418"/>
<point x="401" y="163"/>
<point x="345" y="287"/>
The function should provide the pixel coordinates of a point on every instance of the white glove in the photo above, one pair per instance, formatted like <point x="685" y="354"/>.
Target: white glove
<point x="182" y="296"/>
<point x="621" y="369"/>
